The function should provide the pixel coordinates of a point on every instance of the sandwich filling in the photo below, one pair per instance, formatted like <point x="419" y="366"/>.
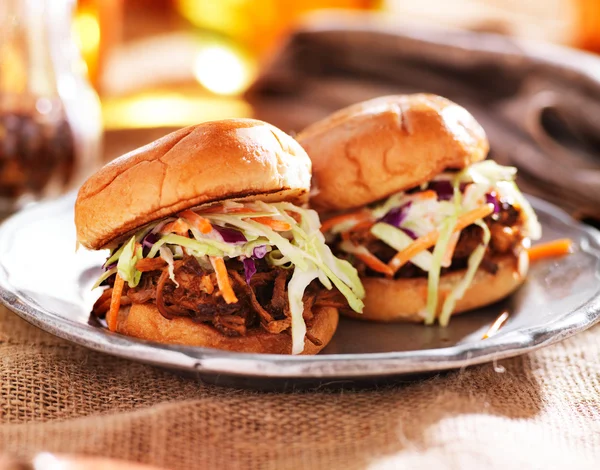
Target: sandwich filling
<point x="458" y="221"/>
<point x="234" y="266"/>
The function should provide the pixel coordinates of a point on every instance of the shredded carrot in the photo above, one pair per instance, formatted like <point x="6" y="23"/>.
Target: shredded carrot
<point x="427" y="241"/>
<point x="115" y="303"/>
<point x="420" y="244"/>
<point x="356" y="217"/>
<point x="223" y="280"/>
<point x="365" y="225"/>
<point x="374" y="263"/>
<point x="167" y="228"/>
<point x="473" y="216"/>
<point x="207" y="284"/>
<point x="294" y="215"/>
<point x="238" y="210"/>
<point x="197" y="221"/>
<point x="180" y="227"/>
<point x="220" y="209"/>
<point x="277" y="225"/>
<point x="447" y="259"/>
<point x="551" y="249"/>
<point x="423" y="195"/>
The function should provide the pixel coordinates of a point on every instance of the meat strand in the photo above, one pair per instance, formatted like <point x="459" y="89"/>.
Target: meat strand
<point x="160" y="299"/>
<point x="150" y="264"/>
<point x="279" y="298"/>
<point x="241" y="282"/>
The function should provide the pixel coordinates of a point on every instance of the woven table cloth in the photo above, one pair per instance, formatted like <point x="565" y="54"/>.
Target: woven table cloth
<point x="541" y="410"/>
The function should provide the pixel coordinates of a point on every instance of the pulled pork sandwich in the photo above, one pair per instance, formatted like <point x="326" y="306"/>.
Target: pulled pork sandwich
<point x="432" y="228"/>
<point x="208" y="245"/>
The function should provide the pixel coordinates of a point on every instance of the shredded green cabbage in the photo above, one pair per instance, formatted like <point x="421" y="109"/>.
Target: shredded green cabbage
<point x="292" y="251"/>
<point x="433" y="280"/>
<point x="473" y="264"/>
<point x="296" y="287"/>
<point x="275" y="258"/>
<point x="341" y="271"/>
<point x="115" y="256"/>
<point x="487" y="172"/>
<point x="104" y="276"/>
<point x="127" y="261"/>
<point x="396" y="200"/>
<point x="196" y="248"/>
<point x="167" y="255"/>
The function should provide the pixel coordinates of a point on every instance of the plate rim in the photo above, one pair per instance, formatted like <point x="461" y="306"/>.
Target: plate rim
<point x="355" y="365"/>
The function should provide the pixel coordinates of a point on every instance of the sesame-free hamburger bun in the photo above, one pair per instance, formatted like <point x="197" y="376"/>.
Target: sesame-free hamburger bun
<point x="370" y="150"/>
<point x="232" y="159"/>
<point x="144" y="321"/>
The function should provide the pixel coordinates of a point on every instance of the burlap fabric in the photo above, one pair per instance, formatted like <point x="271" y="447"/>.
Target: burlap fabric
<point x="536" y="411"/>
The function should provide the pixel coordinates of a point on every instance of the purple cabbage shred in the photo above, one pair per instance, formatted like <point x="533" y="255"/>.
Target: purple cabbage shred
<point x="110" y="266"/>
<point x="149" y="240"/>
<point x="492" y="198"/>
<point x="397" y="215"/>
<point x="230" y="235"/>
<point x="259" y="252"/>
<point x="409" y="232"/>
<point x="249" y="269"/>
<point x="443" y="189"/>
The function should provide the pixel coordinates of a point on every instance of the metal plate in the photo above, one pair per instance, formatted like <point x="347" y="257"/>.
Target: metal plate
<point x="47" y="283"/>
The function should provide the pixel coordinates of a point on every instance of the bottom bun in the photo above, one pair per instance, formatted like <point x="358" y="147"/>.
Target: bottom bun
<point x="145" y="321"/>
<point x="390" y="300"/>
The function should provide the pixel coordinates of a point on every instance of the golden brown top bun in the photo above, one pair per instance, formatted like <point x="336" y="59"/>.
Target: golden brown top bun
<point x="144" y="321"/>
<point x="397" y="300"/>
<point x="214" y="161"/>
<point x="376" y="148"/>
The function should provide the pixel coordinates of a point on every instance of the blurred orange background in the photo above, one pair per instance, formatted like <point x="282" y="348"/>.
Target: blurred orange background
<point x="190" y="60"/>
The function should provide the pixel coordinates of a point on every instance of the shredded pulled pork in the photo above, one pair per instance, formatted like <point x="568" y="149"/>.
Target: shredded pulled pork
<point x="506" y="236"/>
<point x="262" y="303"/>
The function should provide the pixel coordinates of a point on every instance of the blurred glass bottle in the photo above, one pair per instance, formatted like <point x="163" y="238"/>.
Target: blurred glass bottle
<point x="50" y="118"/>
